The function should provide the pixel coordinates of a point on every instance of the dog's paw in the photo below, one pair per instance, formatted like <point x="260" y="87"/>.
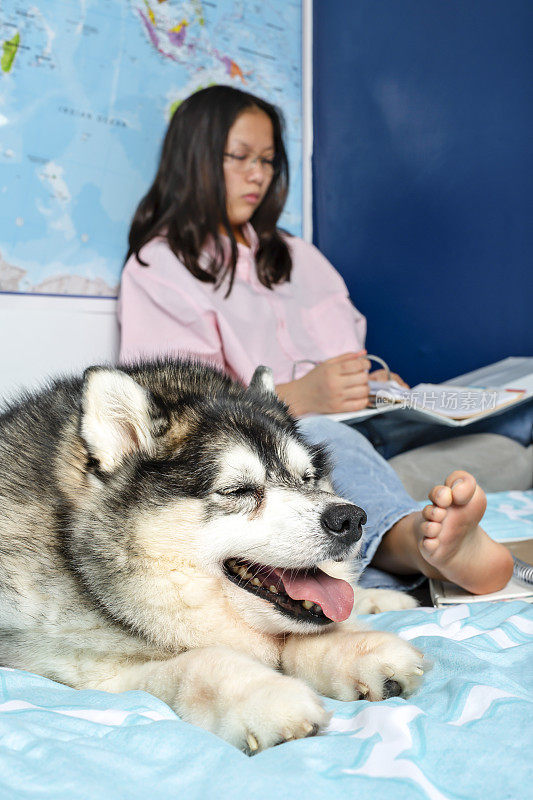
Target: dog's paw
<point x="368" y="665"/>
<point x="280" y="709"/>
<point x="374" y="601"/>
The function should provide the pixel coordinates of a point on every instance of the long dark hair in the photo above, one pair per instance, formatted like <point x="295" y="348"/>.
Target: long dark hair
<point x="187" y="200"/>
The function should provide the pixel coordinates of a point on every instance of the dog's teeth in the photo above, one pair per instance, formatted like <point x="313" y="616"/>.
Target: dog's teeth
<point x="256" y="582"/>
<point x="272" y="589"/>
<point x="232" y="562"/>
<point x="418" y="671"/>
<point x="242" y="572"/>
<point x="307" y="604"/>
<point x="252" y="742"/>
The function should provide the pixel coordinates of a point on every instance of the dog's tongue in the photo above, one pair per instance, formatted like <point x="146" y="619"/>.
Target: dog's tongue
<point x="333" y="595"/>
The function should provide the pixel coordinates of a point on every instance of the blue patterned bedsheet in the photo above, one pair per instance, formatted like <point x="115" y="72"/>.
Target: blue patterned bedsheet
<point x="509" y="515"/>
<point x="466" y="733"/>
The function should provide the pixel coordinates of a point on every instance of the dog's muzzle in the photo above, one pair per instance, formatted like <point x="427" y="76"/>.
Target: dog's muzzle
<point x="344" y="522"/>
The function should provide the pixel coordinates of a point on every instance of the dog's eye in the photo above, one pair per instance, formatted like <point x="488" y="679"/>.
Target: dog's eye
<point x="238" y="491"/>
<point x="308" y="478"/>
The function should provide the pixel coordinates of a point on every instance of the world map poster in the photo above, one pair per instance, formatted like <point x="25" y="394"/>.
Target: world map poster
<point x="87" y="88"/>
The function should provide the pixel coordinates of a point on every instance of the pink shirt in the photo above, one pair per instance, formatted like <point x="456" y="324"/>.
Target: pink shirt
<point x="164" y="310"/>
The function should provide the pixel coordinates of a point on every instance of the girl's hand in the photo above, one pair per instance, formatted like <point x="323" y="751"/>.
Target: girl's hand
<point x="381" y="375"/>
<point x="333" y="386"/>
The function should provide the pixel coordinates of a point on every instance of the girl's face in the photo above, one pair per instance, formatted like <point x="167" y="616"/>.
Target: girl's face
<point x="248" y="166"/>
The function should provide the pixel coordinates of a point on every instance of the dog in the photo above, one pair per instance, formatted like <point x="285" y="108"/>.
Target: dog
<point x="165" y="528"/>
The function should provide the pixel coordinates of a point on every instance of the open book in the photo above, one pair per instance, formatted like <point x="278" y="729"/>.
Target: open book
<point x="447" y="400"/>
<point x="460" y="402"/>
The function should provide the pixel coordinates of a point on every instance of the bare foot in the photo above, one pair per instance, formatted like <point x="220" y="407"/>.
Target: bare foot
<point x="453" y="545"/>
<point x="444" y="540"/>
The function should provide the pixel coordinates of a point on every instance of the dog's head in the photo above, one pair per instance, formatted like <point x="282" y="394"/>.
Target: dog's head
<point x="191" y="467"/>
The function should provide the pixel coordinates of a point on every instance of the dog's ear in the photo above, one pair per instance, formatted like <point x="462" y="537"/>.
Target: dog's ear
<point x="118" y="416"/>
<point x="262" y="382"/>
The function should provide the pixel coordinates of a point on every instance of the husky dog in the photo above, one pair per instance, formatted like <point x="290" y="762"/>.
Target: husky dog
<point x="164" y="528"/>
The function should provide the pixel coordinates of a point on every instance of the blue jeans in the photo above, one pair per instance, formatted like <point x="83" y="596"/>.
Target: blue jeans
<point x="396" y="432"/>
<point x="363" y="477"/>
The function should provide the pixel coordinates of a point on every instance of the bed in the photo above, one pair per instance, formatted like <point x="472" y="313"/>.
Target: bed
<point x="466" y="733"/>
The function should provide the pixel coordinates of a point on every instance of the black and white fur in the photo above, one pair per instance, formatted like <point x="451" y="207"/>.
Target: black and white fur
<point x="127" y="495"/>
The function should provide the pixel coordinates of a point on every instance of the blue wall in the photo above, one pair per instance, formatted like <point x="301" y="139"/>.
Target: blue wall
<point x="423" y="168"/>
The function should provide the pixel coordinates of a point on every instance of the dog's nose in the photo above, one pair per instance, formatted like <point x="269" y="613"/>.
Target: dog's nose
<point x="344" y="521"/>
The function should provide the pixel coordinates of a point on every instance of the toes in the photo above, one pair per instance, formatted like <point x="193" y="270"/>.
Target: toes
<point x="306" y="729"/>
<point x="431" y="529"/>
<point x="434" y="513"/>
<point x="463" y="485"/>
<point x="441" y="496"/>
<point x="429" y="545"/>
<point x="456" y="474"/>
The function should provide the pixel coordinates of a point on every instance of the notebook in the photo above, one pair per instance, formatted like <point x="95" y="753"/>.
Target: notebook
<point x="464" y="400"/>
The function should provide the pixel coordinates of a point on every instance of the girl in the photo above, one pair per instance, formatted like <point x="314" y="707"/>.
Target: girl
<point x="209" y="275"/>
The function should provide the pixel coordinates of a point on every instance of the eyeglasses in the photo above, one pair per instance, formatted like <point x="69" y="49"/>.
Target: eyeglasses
<point x="246" y="163"/>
